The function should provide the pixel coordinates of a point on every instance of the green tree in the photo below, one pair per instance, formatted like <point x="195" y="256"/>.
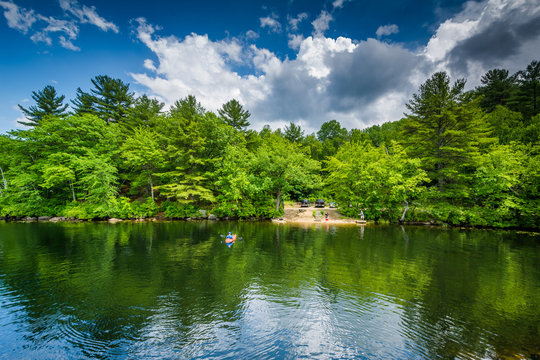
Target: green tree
<point x="332" y="136"/>
<point x="506" y="125"/>
<point x="61" y="160"/>
<point x="233" y="113"/>
<point x="237" y="195"/>
<point x="142" y="112"/>
<point x="293" y="133"/>
<point x="364" y="177"/>
<point x="444" y="129"/>
<point x="529" y="88"/>
<point x="48" y="103"/>
<point x="497" y="184"/>
<point x="496" y="89"/>
<point x="331" y="130"/>
<point x="83" y="103"/>
<point x="110" y="99"/>
<point x="266" y="130"/>
<point x="314" y="147"/>
<point x="143" y="152"/>
<point x="188" y="108"/>
<point x="282" y="167"/>
<point x="186" y="176"/>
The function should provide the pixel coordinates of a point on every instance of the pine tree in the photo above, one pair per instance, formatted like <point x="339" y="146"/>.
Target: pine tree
<point x="444" y="130"/>
<point x="529" y="90"/>
<point x="83" y="103"/>
<point x="47" y="103"/>
<point x="233" y="113"/>
<point x="497" y="87"/>
<point x="112" y="98"/>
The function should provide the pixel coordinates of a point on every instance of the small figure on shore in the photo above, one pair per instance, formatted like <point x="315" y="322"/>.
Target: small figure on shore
<point x="361" y="215"/>
<point x="326" y="216"/>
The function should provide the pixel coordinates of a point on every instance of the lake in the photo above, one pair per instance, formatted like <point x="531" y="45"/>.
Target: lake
<point x="176" y="290"/>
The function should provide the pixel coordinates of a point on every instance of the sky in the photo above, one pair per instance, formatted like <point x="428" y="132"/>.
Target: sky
<point x="300" y="61"/>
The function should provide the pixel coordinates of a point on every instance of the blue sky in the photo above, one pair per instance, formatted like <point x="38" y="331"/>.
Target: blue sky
<point x="301" y="61"/>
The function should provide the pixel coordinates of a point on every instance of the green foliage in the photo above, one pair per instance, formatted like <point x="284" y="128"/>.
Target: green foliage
<point x="111" y="98"/>
<point x="47" y="104"/>
<point x="176" y="210"/>
<point x="142" y="112"/>
<point x="144" y="208"/>
<point x="233" y="113"/>
<point x="188" y="108"/>
<point x="445" y="130"/>
<point x="363" y="177"/>
<point x="528" y="95"/>
<point x="461" y="158"/>
<point x="293" y="133"/>
<point x="332" y="136"/>
<point x="496" y="90"/>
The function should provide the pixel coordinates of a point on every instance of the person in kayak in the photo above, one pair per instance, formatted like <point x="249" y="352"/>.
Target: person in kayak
<point x="230" y="237"/>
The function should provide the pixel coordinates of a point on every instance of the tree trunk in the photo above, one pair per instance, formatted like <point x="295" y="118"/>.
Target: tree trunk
<point x="151" y="187"/>
<point x="404" y="212"/>
<point x="278" y="199"/>
<point x="72" y="190"/>
<point x="3" y="178"/>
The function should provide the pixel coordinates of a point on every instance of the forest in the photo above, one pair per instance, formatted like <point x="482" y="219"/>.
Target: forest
<point x="457" y="157"/>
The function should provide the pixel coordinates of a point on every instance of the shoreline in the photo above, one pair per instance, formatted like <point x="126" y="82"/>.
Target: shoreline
<point x="303" y="222"/>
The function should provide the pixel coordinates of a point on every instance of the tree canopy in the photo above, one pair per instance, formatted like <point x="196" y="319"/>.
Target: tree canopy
<point x="457" y="157"/>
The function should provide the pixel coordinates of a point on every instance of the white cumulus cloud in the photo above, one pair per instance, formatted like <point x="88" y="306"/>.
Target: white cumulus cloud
<point x="293" y="22"/>
<point x="322" y="23"/>
<point x="386" y="30"/>
<point x="18" y="18"/>
<point x="271" y="22"/>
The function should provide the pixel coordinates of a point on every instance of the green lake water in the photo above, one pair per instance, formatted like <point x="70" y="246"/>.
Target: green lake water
<point x="177" y="291"/>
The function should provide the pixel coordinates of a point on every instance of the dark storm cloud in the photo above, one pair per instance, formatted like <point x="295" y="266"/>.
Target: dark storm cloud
<point x="356" y="79"/>
<point x="498" y="41"/>
<point x="294" y="94"/>
<point x="373" y="69"/>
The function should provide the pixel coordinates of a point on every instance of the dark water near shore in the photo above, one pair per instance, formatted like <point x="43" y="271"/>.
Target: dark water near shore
<point x="175" y="290"/>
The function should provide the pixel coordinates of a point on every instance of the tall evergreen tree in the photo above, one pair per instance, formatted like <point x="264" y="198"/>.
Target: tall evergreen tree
<point x="496" y="89"/>
<point x="47" y="103"/>
<point x="111" y="98"/>
<point x="83" y="103"/>
<point x="443" y="129"/>
<point x="233" y="113"/>
<point x="529" y="90"/>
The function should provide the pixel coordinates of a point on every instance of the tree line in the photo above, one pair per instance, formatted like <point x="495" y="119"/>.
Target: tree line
<point x="458" y="157"/>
